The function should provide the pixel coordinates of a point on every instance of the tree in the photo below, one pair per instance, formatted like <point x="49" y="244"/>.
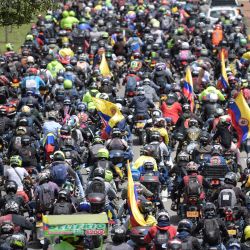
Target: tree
<point x="18" y="12"/>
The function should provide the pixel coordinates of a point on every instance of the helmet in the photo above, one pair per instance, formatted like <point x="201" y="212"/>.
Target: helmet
<point x="160" y="66"/>
<point x="145" y="206"/>
<point x="93" y="85"/>
<point x="140" y="91"/>
<point x="103" y="153"/>
<point x="25" y="140"/>
<point x="148" y="150"/>
<point x="163" y="216"/>
<point x="192" y="123"/>
<point x="7" y="227"/>
<point x="65" y="130"/>
<point x="32" y="71"/>
<point x="155" y="136"/>
<point x="156" y="113"/>
<point x="63" y="195"/>
<point x="175" y="244"/>
<point x="68" y="186"/>
<point x="65" y="13"/>
<point x="148" y="165"/>
<point x="136" y="174"/>
<point x="118" y="234"/>
<point x="247" y="233"/>
<point x="67" y="84"/>
<point x="192" y="167"/>
<point x="52" y="114"/>
<point x="231" y="178"/>
<point x="58" y="156"/>
<point x="217" y="150"/>
<point x="186" y="107"/>
<point x="204" y="137"/>
<point x="67" y="101"/>
<point x="73" y="121"/>
<point x="73" y="61"/>
<point x="108" y="175"/>
<point x="160" y="122"/>
<point x="16" y="161"/>
<point x="204" y="52"/>
<point x="23" y="122"/>
<point x="104" y="96"/>
<point x="116" y="133"/>
<point x="97" y="140"/>
<point x="209" y="210"/>
<point x="219" y="112"/>
<point x="81" y="107"/>
<point x="43" y="177"/>
<point x="183" y="156"/>
<point x="30" y="59"/>
<point x="3" y="111"/>
<point x="185" y="225"/>
<point x="11" y="187"/>
<point x="11" y="207"/>
<point x="99" y="172"/>
<point x="185" y="46"/>
<point x="17" y="241"/>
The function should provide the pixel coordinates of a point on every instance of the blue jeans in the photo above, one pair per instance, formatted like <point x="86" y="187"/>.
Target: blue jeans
<point x="79" y="185"/>
<point x="111" y="209"/>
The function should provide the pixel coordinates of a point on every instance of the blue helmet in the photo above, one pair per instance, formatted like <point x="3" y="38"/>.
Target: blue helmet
<point x="136" y="174"/>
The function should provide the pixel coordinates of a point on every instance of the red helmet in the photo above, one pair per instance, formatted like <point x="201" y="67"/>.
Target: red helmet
<point x="32" y="71"/>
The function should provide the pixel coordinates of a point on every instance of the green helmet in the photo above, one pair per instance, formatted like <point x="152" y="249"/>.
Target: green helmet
<point x="108" y="55"/>
<point x="243" y="42"/>
<point x="72" y="13"/>
<point x="103" y="153"/>
<point x="180" y="31"/>
<point x="65" y="13"/>
<point x="9" y="46"/>
<point x="82" y="20"/>
<point x="29" y="37"/>
<point x="67" y="84"/>
<point x="108" y="175"/>
<point x="105" y="35"/>
<point x="16" y="161"/>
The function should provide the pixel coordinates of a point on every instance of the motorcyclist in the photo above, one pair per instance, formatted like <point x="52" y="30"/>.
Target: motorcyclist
<point x="184" y="234"/>
<point x="5" y="122"/>
<point x="163" y="224"/>
<point x="150" y="92"/>
<point x="116" y="142"/>
<point x="216" y="237"/>
<point x="160" y="126"/>
<point x="51" y="125"/>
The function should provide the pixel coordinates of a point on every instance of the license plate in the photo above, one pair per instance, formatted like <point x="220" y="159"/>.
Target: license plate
<point x="192" y="214"/>
<point x="140" y="125"/>
<point x="232" y="232"/>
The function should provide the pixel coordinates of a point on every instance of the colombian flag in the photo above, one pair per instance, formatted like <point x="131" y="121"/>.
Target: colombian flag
<point x="188" y="89"/>
<point x="223" y="81"/>
<point x="104" y="68"/>
<point x="110" y="115"/>
<point x="240" y="115"/>
<point x="137" y="216"/>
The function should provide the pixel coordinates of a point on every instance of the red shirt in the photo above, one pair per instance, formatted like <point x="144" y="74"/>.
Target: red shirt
<point x="173" y="111"/>
<point x="153" y="230"/>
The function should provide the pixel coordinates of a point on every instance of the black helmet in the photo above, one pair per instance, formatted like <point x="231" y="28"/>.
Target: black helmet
<point x="209" y="210"/>
<point x="63" y="195"/>
<point x="231" y="178"/>
<point x="11" y="187"/>
<point x="65" y="130"/>
<point x="7" y="227"/>
<point x="43" y="64"/>
<point x="25" y="140"/>
<point x="116" y="133"/>
<point x="148" y="150"/>
<point x="163" y="216"/>
<point x="185" y="225"/>
<point x="155" y="136"/>
<point x="186" y="107"/>
<point x="204" y="137"/>
<point x="3" y="111"/>
<point x="183" y="156"/>
<point x="148" y="166"/>
<point x="118" y="234"/>
<point x="73" y="61"/>
<point x="99" y="172"/>
<point x="217" y="150"/>
<point x="192" y="122"/>
<point x="11" y="207"/>
<point x="66" y="101"/>
<point x="58" y="156"/>
<point x="145" y="206"/>
<point x="23" y="122"/>
<point x="248" y="162"/>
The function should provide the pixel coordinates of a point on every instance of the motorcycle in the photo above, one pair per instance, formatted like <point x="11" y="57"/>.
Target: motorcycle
<point x="193" y="134"/>
<point x="137" y="236"/>
<point x="140" y="131"/>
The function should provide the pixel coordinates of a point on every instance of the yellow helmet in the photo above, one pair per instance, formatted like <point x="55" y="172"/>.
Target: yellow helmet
<point x="247" y="232"/>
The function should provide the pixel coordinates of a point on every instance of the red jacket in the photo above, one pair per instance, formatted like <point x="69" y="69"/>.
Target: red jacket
<point x="172" y="111"/>
<point x="153" y="230"/>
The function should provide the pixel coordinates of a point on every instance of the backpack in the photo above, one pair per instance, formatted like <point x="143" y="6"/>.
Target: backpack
<point x="211" y="231"/>
<point x="2" y="125"/>
<point x="161" y="239"/>
<point x="135" y="46"/>
<point x="26" y="154"/>
<point x="17" y="143"/>
<point x="43" y="75"/>
<point x="187" y="243"/>
<point x="62" y="208"/>
<point x="227" y="198"/>
<point x="97" y="186"/>
<point x="131" y="83"/>
<point x="157" y="151"/>
<point x="59" y="173"/>
<point x="46" y="196"/>
<point x="3" y="97"/>
<point x="193" y="187"/>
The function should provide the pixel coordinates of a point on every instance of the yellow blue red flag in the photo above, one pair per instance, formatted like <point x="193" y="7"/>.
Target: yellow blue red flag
<point x="223" y="81"/>
<point x="240" y="115"/>
<point x="110" y="114"/>
<point x="188" y="89"/>
<point x="132" y="203"/>
<point x="104" y="67"/>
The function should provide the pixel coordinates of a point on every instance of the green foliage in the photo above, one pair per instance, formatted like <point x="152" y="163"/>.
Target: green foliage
<point x="18" y="12"/>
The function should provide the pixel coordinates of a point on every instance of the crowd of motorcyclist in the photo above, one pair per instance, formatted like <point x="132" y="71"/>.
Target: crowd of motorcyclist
<point x="52" y="133"/>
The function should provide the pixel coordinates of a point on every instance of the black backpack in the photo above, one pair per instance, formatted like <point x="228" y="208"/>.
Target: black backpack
<point x="193" y="187"/>
<point x="211" y="231"/>
<point x="62" y="208"/>
<point x="3" y="96"/>
<point x="187" y="243"/>
<point x="46" y="197"/>
<point x="2" y="125"/>
<point x="161" y="239"/>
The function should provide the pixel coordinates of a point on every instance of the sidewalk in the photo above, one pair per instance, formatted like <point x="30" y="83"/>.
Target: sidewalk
<point x="246" y="12"/>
